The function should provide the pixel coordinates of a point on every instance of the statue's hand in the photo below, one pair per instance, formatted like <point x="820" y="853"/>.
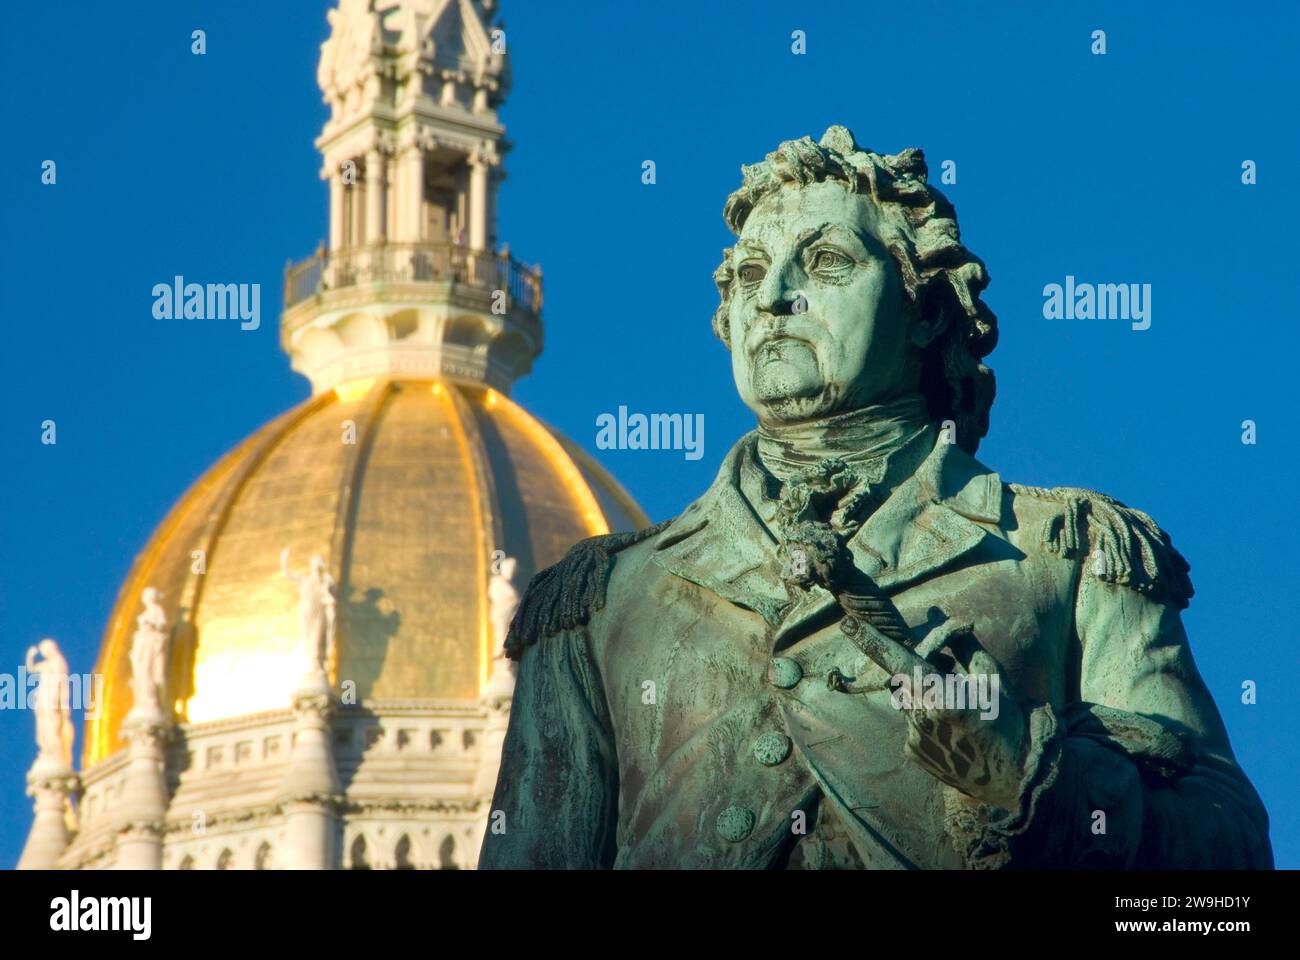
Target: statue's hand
<point x="982" y="753"/>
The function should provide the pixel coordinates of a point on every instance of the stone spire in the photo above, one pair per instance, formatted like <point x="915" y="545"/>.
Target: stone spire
<point x="143" y="808"/>
<point x="412" y="281"/>
<point x="310" y="791"/>
<point x="52" y="790"/>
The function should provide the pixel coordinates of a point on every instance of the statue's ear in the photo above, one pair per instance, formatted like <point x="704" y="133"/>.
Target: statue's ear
<point x="924" y="324"/>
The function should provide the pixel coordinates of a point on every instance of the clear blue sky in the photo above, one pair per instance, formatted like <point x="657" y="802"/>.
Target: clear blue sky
<point x="1117" y="168"/>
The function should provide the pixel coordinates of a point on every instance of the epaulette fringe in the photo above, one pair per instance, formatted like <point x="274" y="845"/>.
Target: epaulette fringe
<point x="566" y="594"/>
<point x="1125" y="546"/>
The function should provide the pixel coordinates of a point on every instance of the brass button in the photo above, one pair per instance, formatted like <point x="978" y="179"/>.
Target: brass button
<point x="784" y="672"/>
<point x="735" y="823"/>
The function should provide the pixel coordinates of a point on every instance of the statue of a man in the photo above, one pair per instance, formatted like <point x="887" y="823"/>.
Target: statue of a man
<point x="503" y="600"/>
<point x="53" y="707"/>
<point x="317" y="605"/>
<point x="149" y="655"/>
<point x="778" y="677"/>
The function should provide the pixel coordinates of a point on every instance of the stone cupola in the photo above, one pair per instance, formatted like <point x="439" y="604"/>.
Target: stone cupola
<point x="413" y="282"/>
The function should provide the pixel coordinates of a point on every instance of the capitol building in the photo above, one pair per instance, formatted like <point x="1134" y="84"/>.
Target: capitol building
<point x="302" y="669"/>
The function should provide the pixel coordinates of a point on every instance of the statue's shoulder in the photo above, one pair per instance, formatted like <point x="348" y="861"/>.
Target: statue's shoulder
<point x="1121" y="545"/>
<point x="565" y="595"/>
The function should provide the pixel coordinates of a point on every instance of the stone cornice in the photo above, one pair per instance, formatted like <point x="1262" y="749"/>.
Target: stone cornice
<point x="469" y="805"/>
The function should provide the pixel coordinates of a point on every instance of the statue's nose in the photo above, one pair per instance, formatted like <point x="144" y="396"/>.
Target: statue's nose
<point x="777" y="294"/>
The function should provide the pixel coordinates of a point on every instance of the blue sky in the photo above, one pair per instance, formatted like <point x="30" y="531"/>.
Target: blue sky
<point x="1123" y="168"/>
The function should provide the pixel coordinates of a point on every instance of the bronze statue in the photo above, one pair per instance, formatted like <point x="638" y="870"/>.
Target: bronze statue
<point x="860" y="647"/>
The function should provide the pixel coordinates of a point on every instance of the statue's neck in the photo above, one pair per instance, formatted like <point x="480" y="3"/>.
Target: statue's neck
<point x="868" y="433"/>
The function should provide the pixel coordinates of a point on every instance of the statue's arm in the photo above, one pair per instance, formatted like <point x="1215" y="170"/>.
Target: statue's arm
<point x="1138" y="772"/>
<point x="556" y="800"/>
<point x="1188" y="807"/>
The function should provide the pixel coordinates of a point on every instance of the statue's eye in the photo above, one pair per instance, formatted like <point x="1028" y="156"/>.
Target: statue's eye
<point x="751" y="272"/>
<point x="829" y="260"/>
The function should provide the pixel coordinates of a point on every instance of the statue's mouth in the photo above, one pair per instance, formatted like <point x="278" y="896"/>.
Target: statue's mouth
<point x="772" y="337"/>
<point x="776" y="347"/>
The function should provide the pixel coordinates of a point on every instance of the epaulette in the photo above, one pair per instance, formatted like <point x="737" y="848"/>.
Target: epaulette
<point x="1125" y="546"/>
<point x="566" y="594"/>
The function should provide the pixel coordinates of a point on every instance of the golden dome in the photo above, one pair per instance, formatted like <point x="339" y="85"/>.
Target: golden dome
<point x="438" y="475"/>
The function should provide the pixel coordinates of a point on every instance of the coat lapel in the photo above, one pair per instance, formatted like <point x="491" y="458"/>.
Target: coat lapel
<point x="718" y="543"/>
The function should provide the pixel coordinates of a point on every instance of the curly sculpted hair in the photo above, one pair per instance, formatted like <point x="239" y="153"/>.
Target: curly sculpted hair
<point x="942" y="280"/>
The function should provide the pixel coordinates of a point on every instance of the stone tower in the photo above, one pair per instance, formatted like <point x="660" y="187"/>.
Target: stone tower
<point x="412" y="155"/>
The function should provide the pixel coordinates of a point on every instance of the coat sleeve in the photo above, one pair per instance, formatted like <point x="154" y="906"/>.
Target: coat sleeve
<point x="1137" y="772"/>
<point x="556" y="799"/>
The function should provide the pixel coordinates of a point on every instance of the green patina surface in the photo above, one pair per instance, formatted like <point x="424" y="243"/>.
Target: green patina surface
<point x="721" y="690"/>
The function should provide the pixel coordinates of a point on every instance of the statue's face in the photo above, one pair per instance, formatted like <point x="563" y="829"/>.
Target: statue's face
<point x="817" y="319"/>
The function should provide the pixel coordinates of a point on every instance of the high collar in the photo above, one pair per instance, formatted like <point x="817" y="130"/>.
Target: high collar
<point x="866" y="434"/>
<point x="892" y="464"/>
<point x="930" y="518"/>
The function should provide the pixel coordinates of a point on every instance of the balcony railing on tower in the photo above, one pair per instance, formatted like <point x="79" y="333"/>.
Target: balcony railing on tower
<point x="414" y="263"/>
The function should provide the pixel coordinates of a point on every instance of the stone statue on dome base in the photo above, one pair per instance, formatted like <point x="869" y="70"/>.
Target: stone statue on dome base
<point x="503" y="600"/>
<point x="317" y="614"/>
<point x="149" y="661"/>
<point x="52" y="706"/>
